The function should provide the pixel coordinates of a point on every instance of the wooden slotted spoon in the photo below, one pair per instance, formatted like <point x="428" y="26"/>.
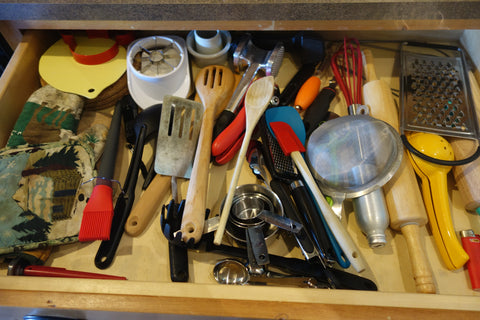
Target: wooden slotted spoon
<point x="257" y="100"/>
<point x="214" y="85"/>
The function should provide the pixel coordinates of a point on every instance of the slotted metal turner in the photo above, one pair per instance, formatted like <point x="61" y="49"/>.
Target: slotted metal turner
<point x="178" y="132"/>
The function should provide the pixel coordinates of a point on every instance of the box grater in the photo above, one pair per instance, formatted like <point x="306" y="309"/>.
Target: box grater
<point x="435" y="92"/>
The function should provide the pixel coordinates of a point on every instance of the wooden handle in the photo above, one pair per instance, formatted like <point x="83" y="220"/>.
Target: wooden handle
<point x="402" y="193"/>
<point x="256" y="101"/>
<point x="231" y="190"/>
<point x="468" y="176"/>
<point x="147" y="205"/>
<point x="195" y="204"/>
<point x="421" y="269"/>
<point x="370" y="74"/>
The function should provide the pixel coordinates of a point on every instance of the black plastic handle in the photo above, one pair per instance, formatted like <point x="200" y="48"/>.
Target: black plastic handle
<point x="291" y="212"/>
<point x="294" y="266"/>
<point x="177" y="250"/>
<point x="108" y="248"/>
<point x="307" y="207"/>
<point x="287" y="97"/>
<point x="178" y="257"/>
<point x="222" y="122"/>
<point x="107" y="164"/>
<point x="318" y="110"/>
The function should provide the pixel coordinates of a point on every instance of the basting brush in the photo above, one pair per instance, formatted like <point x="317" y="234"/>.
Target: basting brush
<point x="98" y="213"/>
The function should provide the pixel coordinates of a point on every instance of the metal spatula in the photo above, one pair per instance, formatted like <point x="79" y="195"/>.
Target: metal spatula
<point x="179" y="126"/>
<point x="177" y="136"/>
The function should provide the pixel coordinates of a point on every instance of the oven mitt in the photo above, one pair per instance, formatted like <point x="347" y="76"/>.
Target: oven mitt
<point x="48" y="115"/>
<point x="42" y="196"/>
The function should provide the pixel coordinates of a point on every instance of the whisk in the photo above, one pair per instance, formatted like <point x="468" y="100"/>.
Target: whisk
<point x="346" y="65"/>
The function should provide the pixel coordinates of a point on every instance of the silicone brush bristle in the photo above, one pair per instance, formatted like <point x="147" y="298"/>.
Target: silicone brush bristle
<point x="97" y="215"/>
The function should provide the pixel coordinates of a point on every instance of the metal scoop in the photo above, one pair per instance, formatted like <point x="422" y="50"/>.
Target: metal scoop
<point x="231" y="271"/>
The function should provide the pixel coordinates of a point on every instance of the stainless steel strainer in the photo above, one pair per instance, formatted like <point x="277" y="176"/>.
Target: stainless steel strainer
<point x="353" y="157"/>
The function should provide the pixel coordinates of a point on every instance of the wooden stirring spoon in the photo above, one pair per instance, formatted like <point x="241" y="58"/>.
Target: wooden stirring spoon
<point x="214" y="85"/>
<point x="257" y="99"/>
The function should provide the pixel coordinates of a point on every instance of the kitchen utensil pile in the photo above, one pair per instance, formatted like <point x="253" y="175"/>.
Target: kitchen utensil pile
<point x="309" y="163"/>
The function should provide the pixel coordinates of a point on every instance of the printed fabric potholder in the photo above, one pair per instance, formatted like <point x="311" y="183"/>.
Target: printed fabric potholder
<point x="42" y="194"/>
<point x="48" y="115"/>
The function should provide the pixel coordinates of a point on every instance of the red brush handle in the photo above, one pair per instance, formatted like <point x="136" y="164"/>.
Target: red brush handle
<point x="43" y="271"/>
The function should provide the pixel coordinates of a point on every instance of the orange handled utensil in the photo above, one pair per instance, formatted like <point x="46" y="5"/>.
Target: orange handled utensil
<point x="307" y="93"/>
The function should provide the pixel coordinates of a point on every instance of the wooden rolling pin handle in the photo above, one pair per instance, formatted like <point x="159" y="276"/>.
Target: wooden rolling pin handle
<point x="421" y="269"/>
<point x="148" y="204"/>
<point x="468" y="175"/>
<point x="370" y="74"/>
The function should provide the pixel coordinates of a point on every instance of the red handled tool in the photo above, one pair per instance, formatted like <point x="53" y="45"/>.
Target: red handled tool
<point x="43" y="271"/>
<point x="228" y="142"/>
<point x="21" y="267"/>
<point x="471" y="244"/>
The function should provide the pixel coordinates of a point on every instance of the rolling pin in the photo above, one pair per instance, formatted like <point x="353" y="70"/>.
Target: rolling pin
<point x="402" y="193"/>
<point x="468" y="176"/>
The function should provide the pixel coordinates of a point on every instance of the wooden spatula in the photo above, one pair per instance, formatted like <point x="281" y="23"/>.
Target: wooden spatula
<point x="292" y="146"/>
<point x="214" y="85"/>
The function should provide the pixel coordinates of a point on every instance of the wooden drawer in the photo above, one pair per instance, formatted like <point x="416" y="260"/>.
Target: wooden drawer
<point x="144" y="259"/>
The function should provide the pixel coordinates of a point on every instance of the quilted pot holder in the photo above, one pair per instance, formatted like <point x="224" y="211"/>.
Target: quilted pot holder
<point x="48" y="115"/>
<point x="41" y="192"/>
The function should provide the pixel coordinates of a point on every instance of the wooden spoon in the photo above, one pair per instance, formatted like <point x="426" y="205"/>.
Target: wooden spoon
<point x="257" y="99"/>
<point x="214" y="85"/>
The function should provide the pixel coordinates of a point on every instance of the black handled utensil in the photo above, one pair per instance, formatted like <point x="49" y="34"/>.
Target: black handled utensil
<point x="146" y="123"/>
<point x="294" y="266"/>
<point x="170" y="222"/>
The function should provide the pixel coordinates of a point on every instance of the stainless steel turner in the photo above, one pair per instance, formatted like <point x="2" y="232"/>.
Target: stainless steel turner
<point x="178" y="132"/>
